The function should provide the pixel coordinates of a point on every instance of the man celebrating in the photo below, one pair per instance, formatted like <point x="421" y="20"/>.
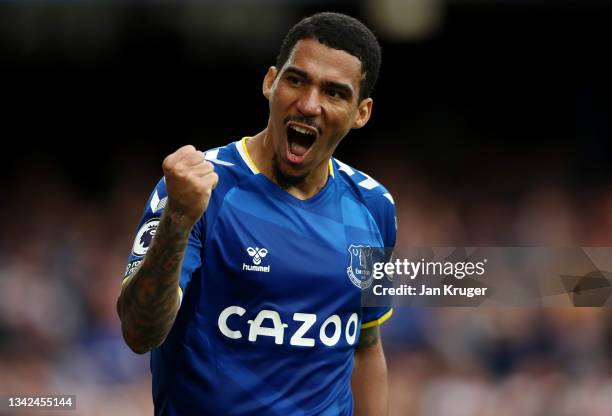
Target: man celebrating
<point x="240" y="282"/>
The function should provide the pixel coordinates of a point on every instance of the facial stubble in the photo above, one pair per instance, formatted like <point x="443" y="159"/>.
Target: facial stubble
<point x="284" y="180"/>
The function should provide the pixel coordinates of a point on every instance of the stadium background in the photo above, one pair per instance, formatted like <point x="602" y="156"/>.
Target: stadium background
<point x="491" y="126"/>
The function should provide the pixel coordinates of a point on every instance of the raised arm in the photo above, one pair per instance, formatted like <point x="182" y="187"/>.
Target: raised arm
<point x="149" y="300"/>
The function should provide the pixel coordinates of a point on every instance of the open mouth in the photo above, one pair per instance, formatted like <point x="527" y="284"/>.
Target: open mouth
<point x="300" y="139"/>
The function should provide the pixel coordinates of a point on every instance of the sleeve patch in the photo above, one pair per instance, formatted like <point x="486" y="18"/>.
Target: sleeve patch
<point x="131" y="267"/>
<point x="145" y="235"/>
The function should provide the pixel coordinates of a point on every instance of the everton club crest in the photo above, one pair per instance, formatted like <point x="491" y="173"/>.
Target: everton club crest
<point x="360" y="266"/>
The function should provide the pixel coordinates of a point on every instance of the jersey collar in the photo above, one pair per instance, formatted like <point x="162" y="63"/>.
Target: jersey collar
<point x="246" y="157"/>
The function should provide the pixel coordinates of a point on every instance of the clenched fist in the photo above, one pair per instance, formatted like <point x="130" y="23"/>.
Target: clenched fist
<point x="190" y="181"/>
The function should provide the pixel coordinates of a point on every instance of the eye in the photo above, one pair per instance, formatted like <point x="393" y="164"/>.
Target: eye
<point x="294" y="81"/>
<point x="337" y="94"/>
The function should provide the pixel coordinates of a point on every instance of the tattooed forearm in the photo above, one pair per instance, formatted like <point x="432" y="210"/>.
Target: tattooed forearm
<point x="149" y="301"/>
<point x="368" y="337"/>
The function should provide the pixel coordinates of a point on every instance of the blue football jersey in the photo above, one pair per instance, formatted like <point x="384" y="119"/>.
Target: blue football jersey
<point x="270" y="309"/>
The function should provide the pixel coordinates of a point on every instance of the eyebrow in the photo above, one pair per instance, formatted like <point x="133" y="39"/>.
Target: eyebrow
<point x="346" y="88"/>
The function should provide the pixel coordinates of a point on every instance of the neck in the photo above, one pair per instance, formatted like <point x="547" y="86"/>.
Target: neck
<point x="261" y="150"/>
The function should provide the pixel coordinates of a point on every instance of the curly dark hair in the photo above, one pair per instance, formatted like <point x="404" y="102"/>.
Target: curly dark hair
<point x="338" y="31"/>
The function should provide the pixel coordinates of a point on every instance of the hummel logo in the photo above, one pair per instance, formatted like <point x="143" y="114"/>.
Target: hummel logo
<point x="257" y="254"/>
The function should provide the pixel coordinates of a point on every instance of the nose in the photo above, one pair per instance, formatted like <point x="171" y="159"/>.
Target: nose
<point x="309" y="103"/>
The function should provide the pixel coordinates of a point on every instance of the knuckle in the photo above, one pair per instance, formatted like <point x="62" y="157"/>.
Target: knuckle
<point x="180" y="171"/>
<point x="203" y="192"/>
<point x="168" y="162"/>
<point x="185" y="149"/>
<point x="214" y="179"/>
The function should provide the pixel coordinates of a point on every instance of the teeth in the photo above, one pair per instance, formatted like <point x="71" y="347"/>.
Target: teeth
<point x="302" y="130"/>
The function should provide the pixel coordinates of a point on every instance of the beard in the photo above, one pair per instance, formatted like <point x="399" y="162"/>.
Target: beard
<point x="284" y="180"/>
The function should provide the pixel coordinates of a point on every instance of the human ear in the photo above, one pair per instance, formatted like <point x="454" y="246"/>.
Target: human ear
<point x="364" y="111"/>
<point x="268" y="81"/>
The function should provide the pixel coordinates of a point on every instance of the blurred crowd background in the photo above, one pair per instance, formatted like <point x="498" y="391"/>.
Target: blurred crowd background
<point x="491" y="127"/>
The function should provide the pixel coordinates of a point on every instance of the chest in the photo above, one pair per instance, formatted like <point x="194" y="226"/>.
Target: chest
<point x="289" y="252"/>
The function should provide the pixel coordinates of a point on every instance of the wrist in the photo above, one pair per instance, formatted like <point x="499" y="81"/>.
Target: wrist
<point x="178" y="217"/>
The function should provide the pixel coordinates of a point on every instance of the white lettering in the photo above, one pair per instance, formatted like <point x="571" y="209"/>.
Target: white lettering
<point x="333" y="340"/>
<point x="378" y="274"/>
<point x="276" y="328"/>
<point x="277" y="331"/>
<point x="297" y="339"/>
<point x="252" y="268"/>
<point x="350" y="338"/>
<point x="222" y="322"/>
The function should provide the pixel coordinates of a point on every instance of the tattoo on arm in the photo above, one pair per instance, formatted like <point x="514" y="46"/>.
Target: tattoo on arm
<point x="369" y="337"/>
<point x="149" y="301"/>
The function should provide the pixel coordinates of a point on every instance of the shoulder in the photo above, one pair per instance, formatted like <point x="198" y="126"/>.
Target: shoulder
<point x="373" y="195"/>
<point x="229" y="160"/>
<point x="232" y="164"/>
<point x="364" y="186"/>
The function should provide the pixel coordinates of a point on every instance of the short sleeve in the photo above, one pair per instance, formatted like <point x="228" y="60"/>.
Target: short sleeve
<point x="375" y="316"/>
<point x="145" y="234"/>
<point x="383" y="210"/>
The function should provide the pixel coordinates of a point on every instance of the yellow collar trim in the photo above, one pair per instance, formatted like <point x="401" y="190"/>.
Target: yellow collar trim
<point x="246" y="156"/>
<point x="249" y="161"/>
